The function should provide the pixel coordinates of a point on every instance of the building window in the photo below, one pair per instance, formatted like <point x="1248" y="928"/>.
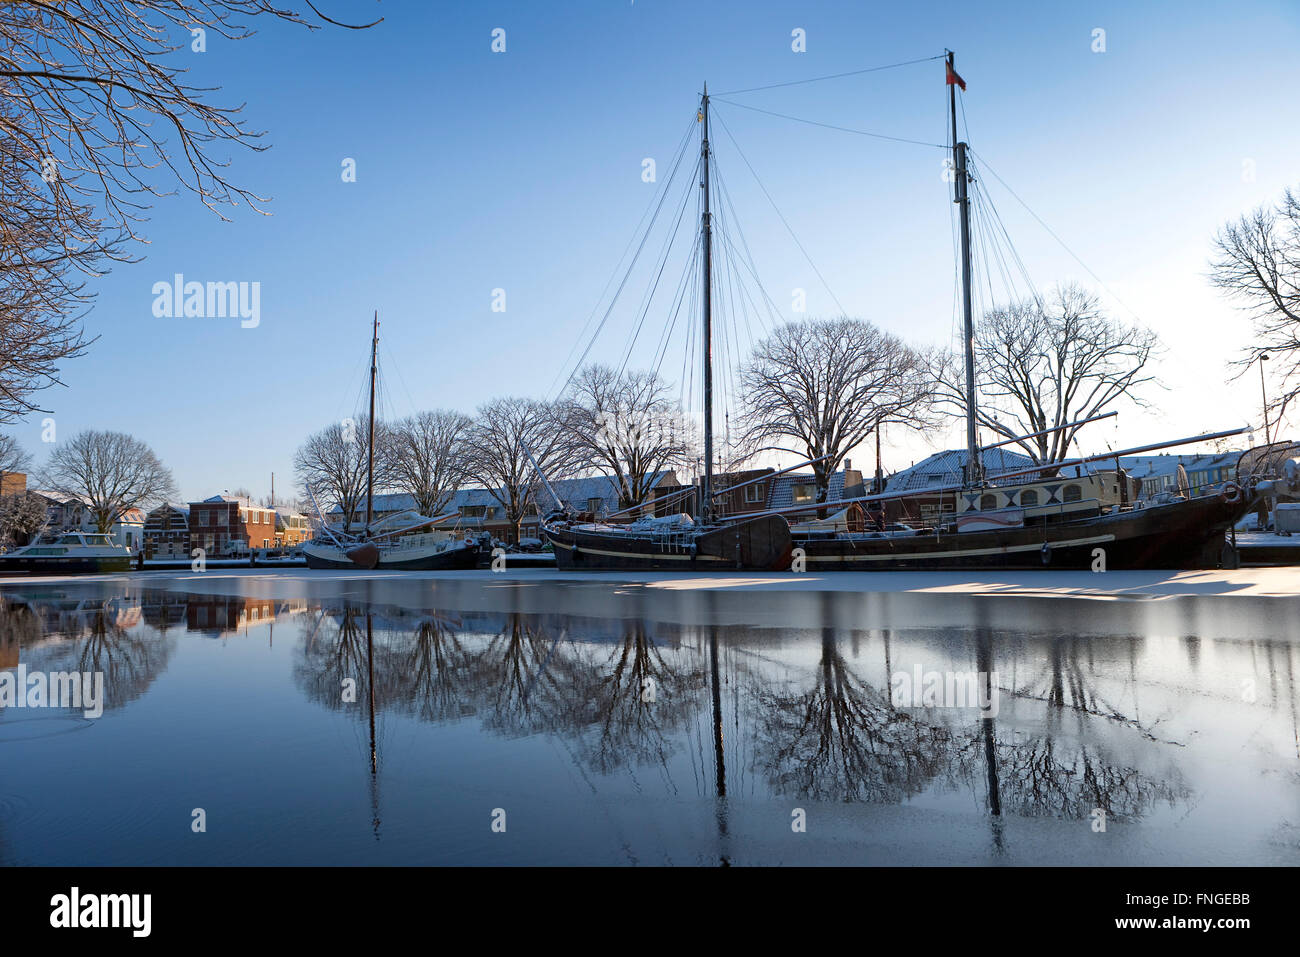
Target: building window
<point x="803" y="493"/>
<point x="754" y="494"/>
<point x="1072" y="493"/>
<point x="593" y="504"/>
<point x="1028" y="498"/>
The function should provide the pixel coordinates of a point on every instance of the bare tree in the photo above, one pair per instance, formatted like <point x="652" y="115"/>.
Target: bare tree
<point x="22" y="515"/>
<point x="111" y="472"/>
<point x="332" y="465"/>
<point x="1040" y="363"/>
<point x="820" y="388"/>
<point x="626" y="425"/>
<point x="95" y="121"/>
<point x="427" y="456"/>
<point x="496" y="456"/>
<point x="13" y="457"/>
<point x="1257" y="262"/>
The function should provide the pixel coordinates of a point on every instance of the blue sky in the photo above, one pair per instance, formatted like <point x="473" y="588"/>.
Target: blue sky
<point x="522" y="171"/>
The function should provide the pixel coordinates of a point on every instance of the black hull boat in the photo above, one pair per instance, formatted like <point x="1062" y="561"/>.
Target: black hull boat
<point x="461" y="556"/>
<point x="1179" y="535"/>
<point x="73" y="552"/>
<point x="760" y="544"/>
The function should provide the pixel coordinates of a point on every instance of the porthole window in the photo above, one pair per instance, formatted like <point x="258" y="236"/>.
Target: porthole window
<point x="1072" y="493"/>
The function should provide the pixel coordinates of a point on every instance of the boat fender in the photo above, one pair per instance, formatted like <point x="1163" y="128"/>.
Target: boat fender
<point x="1230" y="493"/>
<point x="1046" y="554"/>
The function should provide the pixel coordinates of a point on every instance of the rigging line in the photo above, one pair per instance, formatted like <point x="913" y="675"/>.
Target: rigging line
<point x="1058" y="239"/>
<point x="678" y="155"/>
<point x="748" y="262"/>
<point x="1024" y="271"/>
<point x="683" y="286"/>
<point x="622" y="283"/>
<point x="683" y="289"/>
<point x="830" y="126"/>
<point x="648" y="299"/>
<point x="741" y="153"/>
<point x="834" y="76"/>
<point x="753" y="269"/>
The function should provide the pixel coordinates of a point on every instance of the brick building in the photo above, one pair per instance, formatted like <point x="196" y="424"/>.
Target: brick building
<point x="223" y="524"/>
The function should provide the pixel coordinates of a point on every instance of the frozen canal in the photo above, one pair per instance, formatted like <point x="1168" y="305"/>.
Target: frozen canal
<point x="472" y="718"/>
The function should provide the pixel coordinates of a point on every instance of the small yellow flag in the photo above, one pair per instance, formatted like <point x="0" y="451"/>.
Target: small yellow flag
<point x="699" y="115"/>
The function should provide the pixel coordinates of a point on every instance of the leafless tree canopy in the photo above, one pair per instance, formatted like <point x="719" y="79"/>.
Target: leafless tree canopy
<point x="496" y="454"/>
<point x="427" y="455"/>
<point x="1257" y="262"/>
<point x="22" y="515"/>
<point x="13" y="457"/>
<point x="332" y="465"/>
<point x="822" y="387"/>
<point x="111" y="471"/>
<point x="95" y="121"/>
<point x="627" y="426"/>
<point x="1042" y="363"/>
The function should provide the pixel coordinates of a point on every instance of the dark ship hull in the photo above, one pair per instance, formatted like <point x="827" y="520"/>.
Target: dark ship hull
<point x="448" y="560"/>
<point x="761" y="544"/>
<point x="1179" y="535"/>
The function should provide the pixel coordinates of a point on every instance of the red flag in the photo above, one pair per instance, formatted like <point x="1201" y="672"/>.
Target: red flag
<point x="953" y="77"/>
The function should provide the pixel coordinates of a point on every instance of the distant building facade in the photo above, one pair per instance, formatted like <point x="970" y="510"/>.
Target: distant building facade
<point x="222" y="524"/>
<point x="167" y="531"/>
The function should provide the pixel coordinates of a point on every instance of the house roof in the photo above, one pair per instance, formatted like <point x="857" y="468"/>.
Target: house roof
<point x="781" y="492"/>
<point x="575" y="492"/>
<point x="1149" y="466"/>
<point x="944" y="468"/>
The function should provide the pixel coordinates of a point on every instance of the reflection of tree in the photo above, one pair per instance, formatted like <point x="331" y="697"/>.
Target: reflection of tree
<point x="842" y="740"/>
<point x="639" y="698"/>
<point x="96" y="641"/>
<point x="333" y="650"/>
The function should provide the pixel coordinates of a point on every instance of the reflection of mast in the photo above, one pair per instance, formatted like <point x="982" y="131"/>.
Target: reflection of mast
<point x="718" y="760"/>
<point x="984" y="665"/>
<point x="374" y="752"/>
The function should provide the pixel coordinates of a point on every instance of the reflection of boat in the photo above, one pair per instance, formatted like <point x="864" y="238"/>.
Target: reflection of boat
<point x="677" y="541"/>
<point x="385" y="545"/>
<point x="70" y="552"/>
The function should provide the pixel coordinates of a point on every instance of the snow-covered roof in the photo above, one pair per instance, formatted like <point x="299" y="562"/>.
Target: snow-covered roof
<point x="945" y="468"/>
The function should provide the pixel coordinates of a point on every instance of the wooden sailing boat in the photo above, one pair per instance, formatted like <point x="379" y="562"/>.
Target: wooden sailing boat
<point x="1040" y="516"/>
<point x="678" y="542"/>
<point x="389" y="544"/>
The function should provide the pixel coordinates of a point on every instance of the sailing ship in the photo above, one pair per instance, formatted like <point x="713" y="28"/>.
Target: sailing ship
<point x="1041" y="516"/>
<point x="679" y="542"/>
<point x="393" y="543"/>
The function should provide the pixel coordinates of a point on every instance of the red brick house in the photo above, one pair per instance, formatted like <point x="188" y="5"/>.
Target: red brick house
<point x="222" y="524"/>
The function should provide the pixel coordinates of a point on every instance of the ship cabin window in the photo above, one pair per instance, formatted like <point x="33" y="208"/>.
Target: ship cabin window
<point x="1072" y="493"/>
<point x="69" y="540"/>
<point x="1028" y="498"/>
<point x="988" y="501"/>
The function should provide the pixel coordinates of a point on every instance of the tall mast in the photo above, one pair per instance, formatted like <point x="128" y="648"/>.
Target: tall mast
<point x="370" y="447"/>
<point x="974" y="471"/>
<point x="706" y="489"/>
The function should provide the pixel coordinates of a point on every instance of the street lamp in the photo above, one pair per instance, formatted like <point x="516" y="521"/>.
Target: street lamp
<point x="1263" y="357"/>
